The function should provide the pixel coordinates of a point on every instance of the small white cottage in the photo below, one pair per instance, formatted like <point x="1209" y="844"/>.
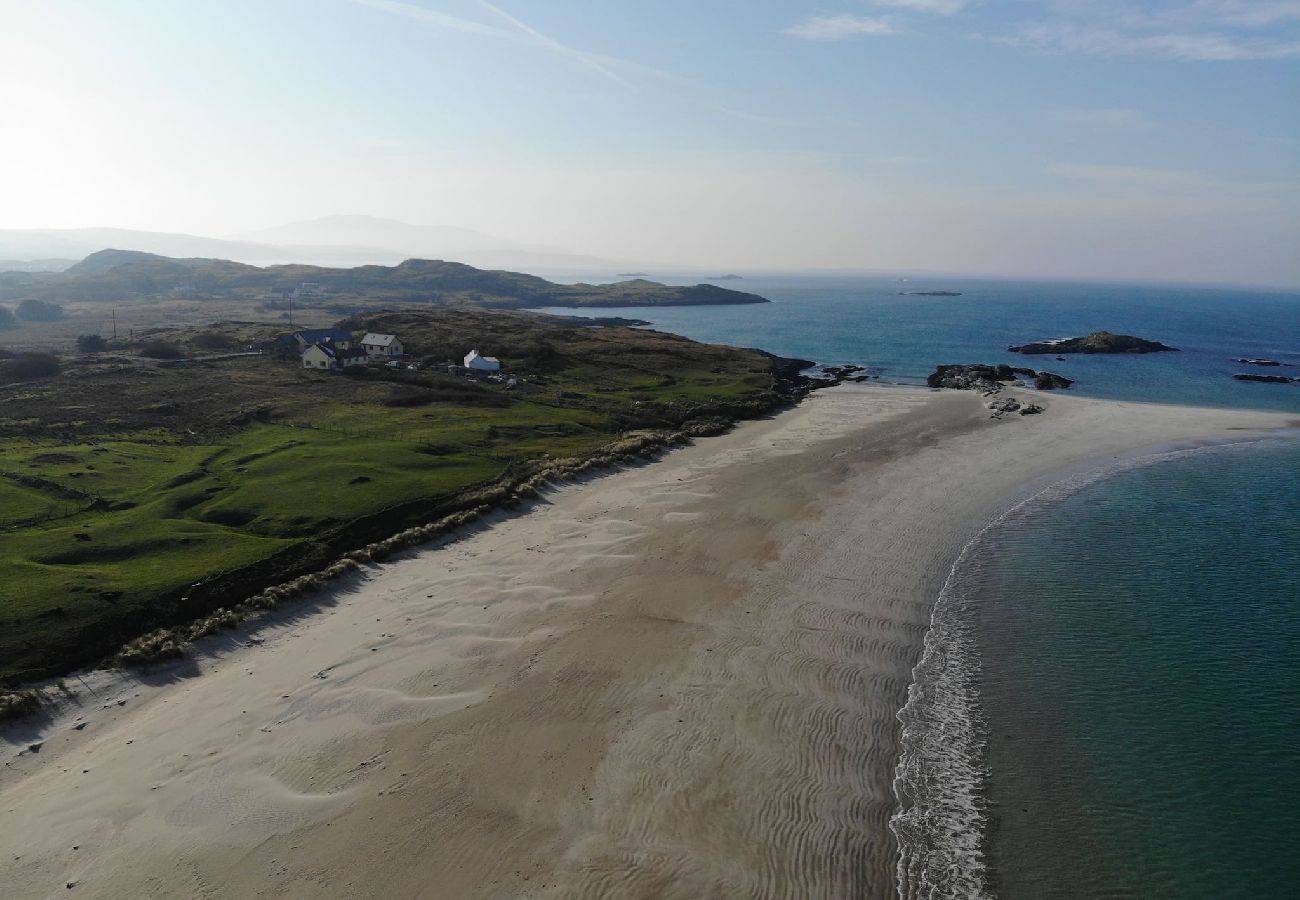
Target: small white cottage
<point x="476" y="362"/>
<point x="385" y="345"/>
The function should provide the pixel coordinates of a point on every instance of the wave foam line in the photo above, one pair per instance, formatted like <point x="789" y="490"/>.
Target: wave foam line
<point x="939" y="780"/>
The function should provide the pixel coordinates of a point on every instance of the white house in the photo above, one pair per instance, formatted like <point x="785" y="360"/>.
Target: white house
<point x="479" y="363"/>
<point x="386" y="345"/>
<point x="327" y="356"/>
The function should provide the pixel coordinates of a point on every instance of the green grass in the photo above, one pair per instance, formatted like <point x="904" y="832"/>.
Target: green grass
<point x="167" y="487"/>
<point x="20" y="504"/>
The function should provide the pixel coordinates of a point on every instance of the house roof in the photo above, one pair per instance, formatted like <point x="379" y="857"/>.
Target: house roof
<point x="336" y="353"/>
<point x="380" y="340"/>
<point x="317" y="335"/>
<point x="324" y="347"/>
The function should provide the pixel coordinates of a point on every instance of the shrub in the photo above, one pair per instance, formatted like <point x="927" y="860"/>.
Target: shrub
<point x="18" y="704"/>
<point x="160" y="350"/>
<point x="156" y="646"/>
<point x="39" y="311"/>
<point x="213" y="340"/>
<point x="27" y="366"/>
<point x="91" y="343"/>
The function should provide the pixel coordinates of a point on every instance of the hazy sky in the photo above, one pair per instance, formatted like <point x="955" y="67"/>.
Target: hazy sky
<point x="1079" y="137"/>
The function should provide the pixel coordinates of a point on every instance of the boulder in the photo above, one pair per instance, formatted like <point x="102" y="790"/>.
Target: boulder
<point x="1050" y="381"/>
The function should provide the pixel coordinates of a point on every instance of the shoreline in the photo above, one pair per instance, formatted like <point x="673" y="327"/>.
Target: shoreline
<point x="680" y="680"/>
<point x="941" y="781"/>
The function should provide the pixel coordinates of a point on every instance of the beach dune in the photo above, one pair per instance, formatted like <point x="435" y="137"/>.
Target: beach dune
<point x="677" y="681"/>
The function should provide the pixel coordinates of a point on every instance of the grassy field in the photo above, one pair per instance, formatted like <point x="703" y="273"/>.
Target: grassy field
<point x="124" y="484"/>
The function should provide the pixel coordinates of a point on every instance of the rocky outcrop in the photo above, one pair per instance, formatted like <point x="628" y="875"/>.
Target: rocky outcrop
<point x="975" y="377"/>
<point x="990" y="379"/>
<point x="1030" y="409"/>
<point x="1260" y="362"/>
<point x="1097" y="342"/>
<point x="1266" y="379"/>
<point x="1050" y="381"/>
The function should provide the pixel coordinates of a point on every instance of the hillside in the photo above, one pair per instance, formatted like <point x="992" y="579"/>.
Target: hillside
<point x="117" y="275"/>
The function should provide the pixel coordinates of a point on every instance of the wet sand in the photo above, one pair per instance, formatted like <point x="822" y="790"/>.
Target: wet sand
<point x="678" y="681"/>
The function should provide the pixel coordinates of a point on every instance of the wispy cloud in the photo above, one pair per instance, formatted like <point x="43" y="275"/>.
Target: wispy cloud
<point x="590" y="60"/>
<point x="513" y="30"/>
<point x="1067" y="37"/>
<point x="1247" y="14"/>
<point x="1191" y="31"/>
<point x="840" y="28"/>
<point x="1101" y="119"/>
<point x="942" y="7"/>
<point x="626" y="73"/>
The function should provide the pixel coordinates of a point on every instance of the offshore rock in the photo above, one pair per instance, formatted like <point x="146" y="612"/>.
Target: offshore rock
<point x="1266" y="379"/>
<point x="1097" y="342"/>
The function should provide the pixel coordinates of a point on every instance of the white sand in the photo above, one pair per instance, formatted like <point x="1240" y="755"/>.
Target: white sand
<point x="679" y="681"/>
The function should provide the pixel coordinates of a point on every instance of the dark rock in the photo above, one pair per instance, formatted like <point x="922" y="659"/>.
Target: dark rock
<point x="1097" y="342"/>
<point x="1050" y="381"/>
<point x="971" y="377"/>
<point x="1031" y="409"/>
<point x="1005" y="405"/>
<point x="978" y="377"/>
<point x="1267" y="379"/>
<point x="1260" y="362"/>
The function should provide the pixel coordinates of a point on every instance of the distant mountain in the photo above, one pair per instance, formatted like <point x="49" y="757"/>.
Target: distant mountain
<point x="35" y="265"/>
<point x="116" y="275"/>
<point x="24" y="245"/>
<point x="421" y="241"/>
<point x="370" y="231"/>
<point x="330" y="241"/>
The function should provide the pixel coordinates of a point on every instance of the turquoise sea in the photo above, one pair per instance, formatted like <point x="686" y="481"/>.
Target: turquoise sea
<point x="1109" y="701"/>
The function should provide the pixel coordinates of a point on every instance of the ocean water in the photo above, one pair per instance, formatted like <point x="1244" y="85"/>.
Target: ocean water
<point x="1108" y="705"/>
<point x="864" y="320"/>
<point x="1139" y="643"/>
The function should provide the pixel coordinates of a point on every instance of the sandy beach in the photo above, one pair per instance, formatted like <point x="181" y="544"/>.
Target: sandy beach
<point x="676" y="681"/>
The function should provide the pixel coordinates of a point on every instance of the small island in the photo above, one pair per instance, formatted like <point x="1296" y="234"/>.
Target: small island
<point x="631" y="275"/>
<point x="1097" y="342"/>
<point x="929" y="293"/>
<point x="731" y="276"/>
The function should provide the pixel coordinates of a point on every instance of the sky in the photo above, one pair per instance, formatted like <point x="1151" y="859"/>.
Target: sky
<point x="1061" y="138"/>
